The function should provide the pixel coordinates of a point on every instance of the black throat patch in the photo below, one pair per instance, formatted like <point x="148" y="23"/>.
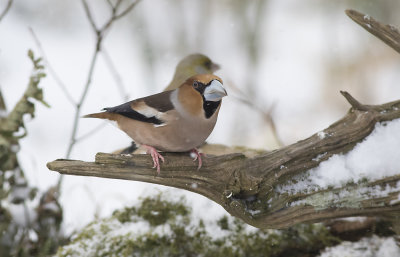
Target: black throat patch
<point x="210" y="107"/>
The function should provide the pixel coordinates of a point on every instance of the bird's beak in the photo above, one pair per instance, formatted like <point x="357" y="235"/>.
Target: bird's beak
<point x="215" y="67"/>
<point x="215" y="91"/>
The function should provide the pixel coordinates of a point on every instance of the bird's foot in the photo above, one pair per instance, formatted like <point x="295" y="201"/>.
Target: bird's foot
<point x="197" y="156"/>
<point x="155" y="155"/>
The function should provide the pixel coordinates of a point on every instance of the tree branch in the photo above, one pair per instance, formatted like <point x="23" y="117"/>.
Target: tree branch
<point x="52" y="71"/>
<point x="6" y="9"/>
<point x="100" y="35"/>
<point x="387" y="33"/>
<point x="246" y="186"/>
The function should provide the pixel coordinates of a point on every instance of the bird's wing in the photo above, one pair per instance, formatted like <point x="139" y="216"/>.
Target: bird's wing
<point x="147" y="109"/>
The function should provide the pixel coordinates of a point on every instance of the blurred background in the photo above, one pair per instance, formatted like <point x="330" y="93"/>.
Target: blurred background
<point x="289" y="58"/>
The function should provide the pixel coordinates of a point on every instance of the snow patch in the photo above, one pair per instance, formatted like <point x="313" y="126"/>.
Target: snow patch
<point x="321" y="134"/>
<point x="350" y="197"/>
<point x="366" y="247"/>
<point x="376" y="157"/>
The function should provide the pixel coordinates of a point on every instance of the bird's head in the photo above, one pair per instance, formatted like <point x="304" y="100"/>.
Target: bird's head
<point x="209" y="86"/>
<point x="196" y="64"/>
<point x="202" y="94"/>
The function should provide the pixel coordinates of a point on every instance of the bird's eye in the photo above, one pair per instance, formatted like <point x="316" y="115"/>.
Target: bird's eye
<point x="208" y="64"/>
<point x="195" y="84"/>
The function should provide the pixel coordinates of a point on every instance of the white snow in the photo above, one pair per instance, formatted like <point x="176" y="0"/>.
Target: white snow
<point x="22" y="214"/>
<point x="51" y="206"/>
<point x="14" y="148"/>
<point x="366" y="247"/>
<point x="376" y="157"/>
<point x="319" y="156"/>
<point x="20" y="192"/>
<point x="100" y="236"/>
<point x="321" y="134"/>
<point x="350" y="197"/>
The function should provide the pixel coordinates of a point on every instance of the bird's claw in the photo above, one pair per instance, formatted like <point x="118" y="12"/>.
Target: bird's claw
<point x="197" y="156"/>
<point x="156" y="156"/>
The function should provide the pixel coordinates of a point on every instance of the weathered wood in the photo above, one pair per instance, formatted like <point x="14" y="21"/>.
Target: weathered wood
<point x="387" y="33"/>
<point x="246" y="186"/>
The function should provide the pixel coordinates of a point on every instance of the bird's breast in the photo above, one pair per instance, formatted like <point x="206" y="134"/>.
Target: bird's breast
<point x="179" y="134"/>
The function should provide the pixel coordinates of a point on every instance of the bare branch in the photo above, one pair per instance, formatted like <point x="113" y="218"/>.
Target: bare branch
<point x="89" y="16"/>
<point x="127" y="10"/>
<point x="110" y="4"/>
<point x="91" y="132"/>
<point x="354" y="103"/>
<point x="246" y="186"/>
<point x="387" y="33"/>
<point x="98" y="45"/>
<point x="115" y="74"/>
<point x="5" y="11"/>
<point x="53" y="73"/>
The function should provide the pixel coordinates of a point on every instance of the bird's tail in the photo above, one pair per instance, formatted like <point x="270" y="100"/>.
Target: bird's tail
<point x="101" y="115"/>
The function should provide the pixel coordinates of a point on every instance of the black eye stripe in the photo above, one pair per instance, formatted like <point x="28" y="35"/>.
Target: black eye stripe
<point x="200" y="87"/>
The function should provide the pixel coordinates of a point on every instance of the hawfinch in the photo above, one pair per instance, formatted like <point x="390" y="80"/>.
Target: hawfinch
<point x="189" y="66"/>
<point x="172" y="121"/>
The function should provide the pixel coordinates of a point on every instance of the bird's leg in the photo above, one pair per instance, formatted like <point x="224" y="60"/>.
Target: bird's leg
<point x="197" y="155"/>
<point x="155" y="156"/>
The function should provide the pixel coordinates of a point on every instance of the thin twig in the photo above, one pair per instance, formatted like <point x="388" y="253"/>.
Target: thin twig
<point x="100" y="33"/>
<point x="82" y="99"/>
<point x="354" y="103"/>
<point x="89" y="15"/>
<point x="91" y="132"/>
<point x="127" y="10"/>
<point x="116" y="16"/>
<point x="52" y="71"/>
<point x="265" y="114"/>
<point x="110" y="4"/>
<point x="5" y="11"/>
<point x="115" y="74"/>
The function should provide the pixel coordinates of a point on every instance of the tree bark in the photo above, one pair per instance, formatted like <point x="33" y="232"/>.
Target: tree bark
<point x="246" y="185"/>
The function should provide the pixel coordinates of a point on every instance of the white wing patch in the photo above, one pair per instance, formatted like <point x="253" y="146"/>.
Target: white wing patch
<point x="142" y="108"/>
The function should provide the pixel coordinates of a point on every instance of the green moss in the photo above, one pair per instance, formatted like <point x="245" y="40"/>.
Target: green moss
<point x="157" y="211"/>
<point x="170" y="230"/>
<point x="223" y="222"/>
<point x="154" y="210"/>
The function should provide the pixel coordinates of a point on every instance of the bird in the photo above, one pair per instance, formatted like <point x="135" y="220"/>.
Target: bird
<point x="178" y="120"/>
<point x="189" y="66"/>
